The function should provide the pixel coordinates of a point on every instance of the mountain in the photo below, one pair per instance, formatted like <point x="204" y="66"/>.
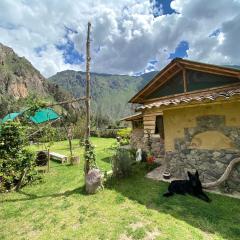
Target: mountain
<point x="19" y="79"/>
<point x="17" y="76"/>
<point x="110" y="93"/>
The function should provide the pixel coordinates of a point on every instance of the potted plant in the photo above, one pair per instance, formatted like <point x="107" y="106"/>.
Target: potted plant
<point x="166" y="173"/>
<point x="151" y="161"/>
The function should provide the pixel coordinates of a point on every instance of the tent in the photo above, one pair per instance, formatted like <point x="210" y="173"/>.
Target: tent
<point x="44" y="115"/>
<point x="41" y="116"/>
<point x="10" y="116"/>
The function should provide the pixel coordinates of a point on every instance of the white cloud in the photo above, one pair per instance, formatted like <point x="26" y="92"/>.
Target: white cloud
<point x="125" y="35"/>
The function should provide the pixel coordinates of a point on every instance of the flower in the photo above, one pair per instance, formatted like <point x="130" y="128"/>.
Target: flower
<point x="150" y="159"/>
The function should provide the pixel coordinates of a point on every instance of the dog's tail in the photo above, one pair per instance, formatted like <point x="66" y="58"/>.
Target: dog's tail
<point x="168" y="194"/>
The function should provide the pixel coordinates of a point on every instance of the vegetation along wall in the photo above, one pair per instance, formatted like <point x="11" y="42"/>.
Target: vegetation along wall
<point x="205" y="138"/>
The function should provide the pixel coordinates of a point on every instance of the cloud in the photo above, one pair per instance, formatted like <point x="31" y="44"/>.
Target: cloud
<point x="126" y="34"/>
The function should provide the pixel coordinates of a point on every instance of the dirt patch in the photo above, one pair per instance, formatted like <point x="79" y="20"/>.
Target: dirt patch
<point x="152" y="235"/>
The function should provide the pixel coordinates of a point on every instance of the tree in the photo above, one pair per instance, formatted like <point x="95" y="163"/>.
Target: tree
<point x="17" y="163"/>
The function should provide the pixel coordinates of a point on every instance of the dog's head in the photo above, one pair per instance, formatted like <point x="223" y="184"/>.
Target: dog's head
<point x="195" y="181"/>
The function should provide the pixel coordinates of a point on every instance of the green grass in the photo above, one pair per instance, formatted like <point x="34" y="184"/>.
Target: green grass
<point x="131" y="208"/>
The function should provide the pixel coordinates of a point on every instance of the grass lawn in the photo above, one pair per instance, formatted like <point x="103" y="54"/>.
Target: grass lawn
<point x="131" y="208"/>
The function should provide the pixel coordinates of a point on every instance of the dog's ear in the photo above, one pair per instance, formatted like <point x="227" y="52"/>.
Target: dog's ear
<point x="196" y="174"/>
<point x="189" y="174"/>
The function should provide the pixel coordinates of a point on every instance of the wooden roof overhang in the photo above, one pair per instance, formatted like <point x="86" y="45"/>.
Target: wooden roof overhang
<point x="176" y="66"/>
<point x="135" y="117"/>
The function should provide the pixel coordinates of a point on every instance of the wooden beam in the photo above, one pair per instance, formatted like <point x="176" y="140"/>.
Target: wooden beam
<point x="213" y="71"/>
<point x="67" y="102"/>
<point x="184" y="80"/>
<point x="149" y="123"/>
<point x="203" y="66"/>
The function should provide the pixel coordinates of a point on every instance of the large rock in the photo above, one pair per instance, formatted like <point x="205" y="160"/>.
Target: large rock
<point x="93" y="181"/>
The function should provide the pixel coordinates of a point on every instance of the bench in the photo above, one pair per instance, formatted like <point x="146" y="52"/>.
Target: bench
<point x="57" y="156"/>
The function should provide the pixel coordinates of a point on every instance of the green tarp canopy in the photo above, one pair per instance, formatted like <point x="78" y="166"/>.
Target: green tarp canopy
<point x="10" y="116"/>
<point x="40" y="116"/>
<point x="44" y="115"/>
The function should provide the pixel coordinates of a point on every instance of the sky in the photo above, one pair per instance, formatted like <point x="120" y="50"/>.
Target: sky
<point x="127" y="36"/>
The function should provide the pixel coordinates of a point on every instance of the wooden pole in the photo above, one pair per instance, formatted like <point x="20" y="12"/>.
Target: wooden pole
<point x="184" y="80"/>
<point x="88" y="81"/>
<point x="48" y="156"/>
<point x="87" y="136"/>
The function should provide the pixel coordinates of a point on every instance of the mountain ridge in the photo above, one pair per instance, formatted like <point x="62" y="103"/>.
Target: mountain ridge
<point x="19" y="79"/>
<point x="110" y="92"/>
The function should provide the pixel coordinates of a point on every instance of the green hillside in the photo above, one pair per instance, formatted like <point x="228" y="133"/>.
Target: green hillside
<point x="110" y="93"/>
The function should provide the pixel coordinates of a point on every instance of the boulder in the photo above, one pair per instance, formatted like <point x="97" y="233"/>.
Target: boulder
<point x="93" y="181"/>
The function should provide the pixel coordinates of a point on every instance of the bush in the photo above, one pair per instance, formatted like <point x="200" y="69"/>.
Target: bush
<point x="41" y="159"/>
<point x="122" y="162"/>
<point x="79" y="129"/>
<point x="105" y="133"/>
<point x="17" y="163"/>
<point x="124" y="133"/>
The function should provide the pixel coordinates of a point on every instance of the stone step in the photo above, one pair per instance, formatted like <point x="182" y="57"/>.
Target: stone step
<point x="159" y="160"/>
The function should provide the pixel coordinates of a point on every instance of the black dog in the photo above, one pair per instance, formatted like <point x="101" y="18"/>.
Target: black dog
<point x="192" y="186"/>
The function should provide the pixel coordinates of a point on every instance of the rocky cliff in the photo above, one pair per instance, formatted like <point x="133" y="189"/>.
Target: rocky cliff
<point x="18" y="78"/>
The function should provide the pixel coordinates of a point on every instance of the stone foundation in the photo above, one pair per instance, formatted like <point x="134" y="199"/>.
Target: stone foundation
<point x="157" y="145"/>
<point x="138" y="140"/>
<point x="211" y="163"/>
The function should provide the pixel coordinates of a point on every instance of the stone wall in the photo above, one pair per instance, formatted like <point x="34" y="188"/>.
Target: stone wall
<point x="211" y="163"/>
<point x="157" y="145"/>
<point x="139" y="140"/>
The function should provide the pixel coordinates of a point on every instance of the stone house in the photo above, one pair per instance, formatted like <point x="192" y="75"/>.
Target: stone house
<point x="189" y="115"/>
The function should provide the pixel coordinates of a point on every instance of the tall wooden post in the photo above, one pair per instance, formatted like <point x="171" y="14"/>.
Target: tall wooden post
<point x="88" y="59"/>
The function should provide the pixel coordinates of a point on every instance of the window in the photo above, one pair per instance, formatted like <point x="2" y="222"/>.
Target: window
<point x="172" y="86"/>
<point x="137" y="124"/>
<point x="197" y="80"/>
<point x="159" y="128"/>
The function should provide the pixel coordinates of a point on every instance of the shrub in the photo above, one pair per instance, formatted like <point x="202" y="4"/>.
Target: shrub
<point x="16" y="163"/>
<point x="124" y="133"/>
<point x="41" y="159"/>
<point x="122" y="162"/>
<point x="79" y="129"/>
<point x="124" y="142"/>
<point x="105" y="133"/>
